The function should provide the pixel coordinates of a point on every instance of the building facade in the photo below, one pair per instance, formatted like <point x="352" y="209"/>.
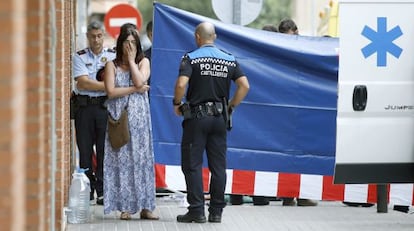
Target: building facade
<point x="35" y="142"/>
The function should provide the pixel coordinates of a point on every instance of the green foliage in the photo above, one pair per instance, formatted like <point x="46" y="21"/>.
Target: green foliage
<point x="272" y="12"/>
<point x="146" y="9"/>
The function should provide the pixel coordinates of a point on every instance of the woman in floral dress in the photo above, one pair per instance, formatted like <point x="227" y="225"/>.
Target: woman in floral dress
<point x="129" y="181"/>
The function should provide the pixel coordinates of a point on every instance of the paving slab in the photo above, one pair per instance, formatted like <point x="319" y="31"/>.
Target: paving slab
<point x="328" y="215"/>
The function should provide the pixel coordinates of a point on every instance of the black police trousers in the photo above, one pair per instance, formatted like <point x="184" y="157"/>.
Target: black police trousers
<point x="90" y="124"/>
<point x="204" y="134"/>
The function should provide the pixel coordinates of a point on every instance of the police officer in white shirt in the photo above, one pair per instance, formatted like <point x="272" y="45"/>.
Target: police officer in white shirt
<point x="91" y="117"/>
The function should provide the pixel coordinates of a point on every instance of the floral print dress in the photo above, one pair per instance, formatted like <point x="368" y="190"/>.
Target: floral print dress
<point x="129" y="178"/>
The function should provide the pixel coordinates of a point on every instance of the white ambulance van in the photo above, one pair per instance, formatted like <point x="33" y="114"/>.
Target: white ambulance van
<point x="375" y="120"/>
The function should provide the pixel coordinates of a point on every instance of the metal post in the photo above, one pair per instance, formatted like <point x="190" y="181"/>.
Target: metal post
<point x="53" y="143"/>
<point x="382" y="201"/>
<point x="237" y="12"/>
<point x="80" y="42"/>
<point x="81" y="24"/>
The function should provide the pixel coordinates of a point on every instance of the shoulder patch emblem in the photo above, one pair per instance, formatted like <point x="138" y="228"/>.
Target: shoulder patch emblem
<point x="104" y="59"/>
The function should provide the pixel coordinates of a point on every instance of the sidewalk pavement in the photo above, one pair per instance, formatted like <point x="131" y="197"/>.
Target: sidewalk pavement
<point x="329" y="216"/>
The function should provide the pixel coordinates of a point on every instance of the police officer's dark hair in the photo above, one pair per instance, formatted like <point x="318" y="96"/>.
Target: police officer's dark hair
<point x="149" y="27"/>
<point x="287" y="24"/>
<point x="125" y="31"/>
<point x="95" y="25"/>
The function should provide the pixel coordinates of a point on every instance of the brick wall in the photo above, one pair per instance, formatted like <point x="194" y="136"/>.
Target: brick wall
<point x="63" y="78"/>
<point x="36" y="165"/>
<point x="36" y="49"/>
<point x="12" y="115"/>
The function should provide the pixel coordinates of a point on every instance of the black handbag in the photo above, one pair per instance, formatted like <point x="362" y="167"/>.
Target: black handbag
<point x="100" y="74"/>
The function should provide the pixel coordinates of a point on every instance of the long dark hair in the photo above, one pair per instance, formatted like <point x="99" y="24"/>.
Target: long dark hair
<point x="125" y="31"/>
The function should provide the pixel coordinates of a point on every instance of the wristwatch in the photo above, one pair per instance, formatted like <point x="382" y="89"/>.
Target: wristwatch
<point x="175" y="103"/>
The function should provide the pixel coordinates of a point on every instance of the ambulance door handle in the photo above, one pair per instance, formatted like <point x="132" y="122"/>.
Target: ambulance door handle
<point x="359" y="99"/>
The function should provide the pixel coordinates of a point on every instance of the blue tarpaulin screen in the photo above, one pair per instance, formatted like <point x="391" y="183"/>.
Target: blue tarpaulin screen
<point x="287" y="122"/>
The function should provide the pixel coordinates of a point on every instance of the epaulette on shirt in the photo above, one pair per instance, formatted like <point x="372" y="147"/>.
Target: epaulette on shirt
<point x="111" y="50"/>
<point x="81" y="52"/>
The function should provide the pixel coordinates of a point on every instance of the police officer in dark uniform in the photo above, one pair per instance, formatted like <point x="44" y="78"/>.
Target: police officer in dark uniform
<point x="208" y="73"/>
<point x="91" y="117"/>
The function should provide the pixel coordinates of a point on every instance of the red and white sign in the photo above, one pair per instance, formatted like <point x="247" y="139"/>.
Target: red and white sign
<point x="119" y="15"/>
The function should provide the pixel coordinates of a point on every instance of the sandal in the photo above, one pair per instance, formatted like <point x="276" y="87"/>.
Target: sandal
<point x="125" y="216"/>
<point x="148" y="215"/>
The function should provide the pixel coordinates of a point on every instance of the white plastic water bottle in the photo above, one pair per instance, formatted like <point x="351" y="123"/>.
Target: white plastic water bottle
<point x="79" y="193"/>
